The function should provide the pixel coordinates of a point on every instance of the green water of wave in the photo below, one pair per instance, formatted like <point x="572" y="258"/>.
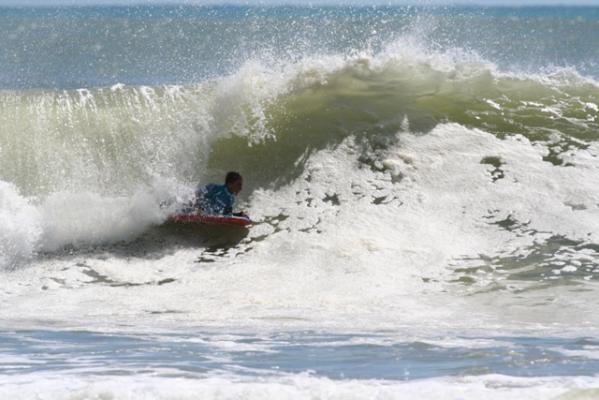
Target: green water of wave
<point x="375" y="105"/>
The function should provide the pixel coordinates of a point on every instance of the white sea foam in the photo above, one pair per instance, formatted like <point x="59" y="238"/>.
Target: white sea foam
<point x="292" y="387"/>
<point x="89" y="218"/>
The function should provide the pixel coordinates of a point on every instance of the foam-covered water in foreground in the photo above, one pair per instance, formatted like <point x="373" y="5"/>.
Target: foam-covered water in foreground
<point x="425" y="206"/>
<point x="296" y="365"/>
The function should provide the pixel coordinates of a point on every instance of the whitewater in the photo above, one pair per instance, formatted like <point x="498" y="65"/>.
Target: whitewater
<point x="423" y="186"/>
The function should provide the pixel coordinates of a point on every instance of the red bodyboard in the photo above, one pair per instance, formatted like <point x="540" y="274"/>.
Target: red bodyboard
<point x="210" y="219"/>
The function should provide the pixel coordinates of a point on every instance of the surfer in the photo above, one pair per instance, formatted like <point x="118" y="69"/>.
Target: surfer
<point x="217" y="199"/>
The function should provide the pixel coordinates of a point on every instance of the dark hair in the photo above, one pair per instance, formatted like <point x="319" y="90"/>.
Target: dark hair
<point x="232" y="177"/>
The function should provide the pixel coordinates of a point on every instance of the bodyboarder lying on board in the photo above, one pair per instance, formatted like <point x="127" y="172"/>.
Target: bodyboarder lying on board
<point x="214" y="199"/>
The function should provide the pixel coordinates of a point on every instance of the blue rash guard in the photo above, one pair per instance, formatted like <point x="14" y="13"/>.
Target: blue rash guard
<point x="215" y="199"/>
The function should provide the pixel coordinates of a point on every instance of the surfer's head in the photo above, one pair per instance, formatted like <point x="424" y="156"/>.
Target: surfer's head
<point x="234" y="182"/>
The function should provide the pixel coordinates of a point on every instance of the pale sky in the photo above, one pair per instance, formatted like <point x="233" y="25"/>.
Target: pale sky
<point x="299" y="2"/>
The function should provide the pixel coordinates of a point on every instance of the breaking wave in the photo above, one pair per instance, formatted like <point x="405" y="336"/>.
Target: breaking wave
<point x="91" y="166"/>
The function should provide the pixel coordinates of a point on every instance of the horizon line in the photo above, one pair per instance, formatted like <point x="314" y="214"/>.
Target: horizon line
<point x="295" y="3"/>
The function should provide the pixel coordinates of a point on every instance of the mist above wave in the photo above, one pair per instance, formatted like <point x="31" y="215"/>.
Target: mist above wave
<point x="72" y="47"/>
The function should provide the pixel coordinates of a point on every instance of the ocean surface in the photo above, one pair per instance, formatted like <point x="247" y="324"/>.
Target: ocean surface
<point x="424" y="184"/>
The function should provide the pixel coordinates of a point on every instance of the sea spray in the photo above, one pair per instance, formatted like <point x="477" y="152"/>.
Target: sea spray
<point x="20" y="227"/>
